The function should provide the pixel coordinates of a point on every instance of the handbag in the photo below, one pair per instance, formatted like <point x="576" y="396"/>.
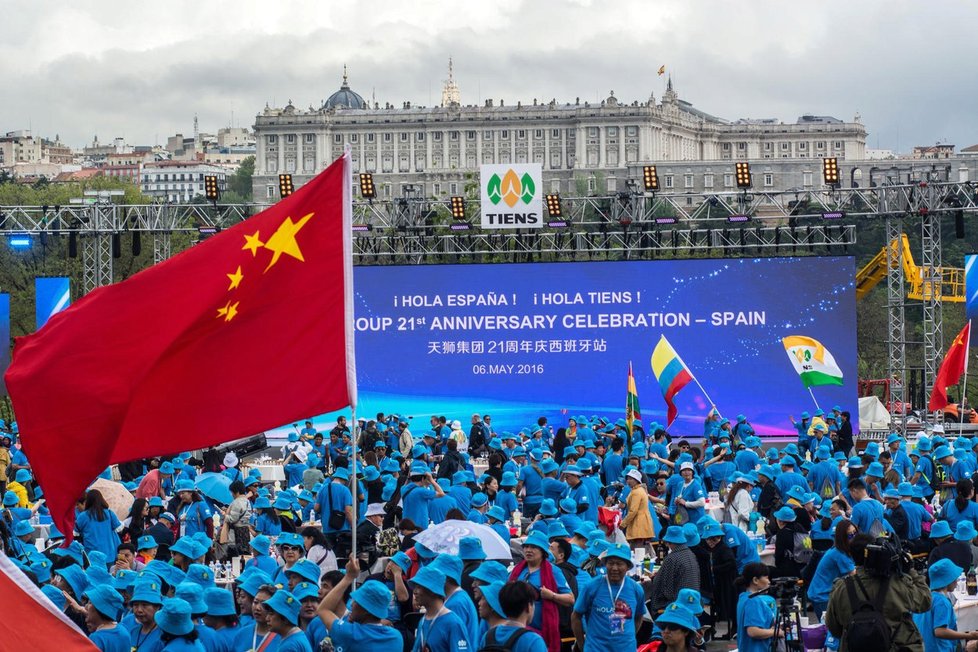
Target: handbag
<point x="224" y="537"/>
<point x="336" y="517"/>
<point x="681" y="517"/>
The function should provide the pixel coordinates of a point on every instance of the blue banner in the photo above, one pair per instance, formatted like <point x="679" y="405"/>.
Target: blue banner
<point x="971" y="287"/>
<point x="52" y="294"/>
<point x="4" y="339"/>
<point x="520" y="341"/>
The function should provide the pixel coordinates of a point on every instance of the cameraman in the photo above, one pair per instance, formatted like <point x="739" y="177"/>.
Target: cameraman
<point x="904" y="593"/>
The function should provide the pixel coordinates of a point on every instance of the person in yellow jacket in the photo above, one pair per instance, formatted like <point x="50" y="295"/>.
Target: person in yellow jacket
<point x="22" y="477"/>
<point x="637" y="523"/>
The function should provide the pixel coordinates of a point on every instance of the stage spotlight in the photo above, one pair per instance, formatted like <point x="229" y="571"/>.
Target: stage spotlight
<point x="553" y="205"/>
<point x="285" y="187"/>
<point x="742" y="169"/>
<point x="650" y="178"/>
<point x="117" y="245"/>
<point x="830" y="171"/>
<point x="458" y="207"/>
<point x="210" y="186"/>
<point x="367" y="189"/>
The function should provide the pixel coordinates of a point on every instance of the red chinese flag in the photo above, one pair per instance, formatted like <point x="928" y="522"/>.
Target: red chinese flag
<point x="246" y="331"/>
<point x="955" y="363"/>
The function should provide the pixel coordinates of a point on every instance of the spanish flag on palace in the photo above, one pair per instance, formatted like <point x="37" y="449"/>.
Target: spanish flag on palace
<point x="671" y="373"/>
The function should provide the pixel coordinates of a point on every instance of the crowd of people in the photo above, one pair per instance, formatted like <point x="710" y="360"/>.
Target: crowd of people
<point x="622" y="538"/>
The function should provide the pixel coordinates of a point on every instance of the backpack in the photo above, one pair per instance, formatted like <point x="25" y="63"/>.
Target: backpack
<point x="935" y="470"/>
<point x="868" y="630"/>
<point x="492" y="645"/>
<point x="801" y="549"/>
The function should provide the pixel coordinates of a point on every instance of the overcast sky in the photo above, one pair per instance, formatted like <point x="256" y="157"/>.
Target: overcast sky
<point x="142" y="70"/>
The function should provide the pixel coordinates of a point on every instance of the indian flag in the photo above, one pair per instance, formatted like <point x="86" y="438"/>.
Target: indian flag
<point x="813" y="362"/>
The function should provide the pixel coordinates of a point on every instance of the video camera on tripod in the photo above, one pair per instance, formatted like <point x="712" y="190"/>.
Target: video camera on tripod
<point x="785" y="591"/>
<point x="887" y="556"/>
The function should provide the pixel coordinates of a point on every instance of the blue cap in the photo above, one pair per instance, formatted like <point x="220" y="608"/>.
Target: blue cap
<point x="943" y="573"/>
<point x="220" y="602"/>
<point x="491" y="594"/>
<point x="619" y="551"/>
<point x="674" y="534"/>
<point x="548" y="507"/>
<point x="194" y="595"/>
<point x="306" y="569"/>
<point x="676" y="614"/>
<point x="260" y="544"/>
<point x="284" y="604"/>
<point x="106" y="600"/>
<point x="479" y="499"/>
<point x="965" y="531"/>
<point x="254" y="582"/>
<point x="76" y="579"/>
<point x="470" y="548"/>
<point x="305" y="590"/>
<point x="431" y="579"/>
<point x="490" y="572"/>
<point x="539" y="540"/>
<point x="55" y="596"/>
<point x="785" y="514"/>
<point x="905" y="489"/>
<point x="200" y="575"/>
<point x="496" y="512"/>
<point x="940" y="529"/>
<point x="374" y="597"/>
<point x="876" y="470"/>
<point x="691" y="600"/>
<point x="450" y="566"/>
<point x="146" y="590"/>
<point x="175" y="617"/>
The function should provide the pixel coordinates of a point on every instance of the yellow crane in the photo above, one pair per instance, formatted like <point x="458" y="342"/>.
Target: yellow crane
<point x="946" y="285"/>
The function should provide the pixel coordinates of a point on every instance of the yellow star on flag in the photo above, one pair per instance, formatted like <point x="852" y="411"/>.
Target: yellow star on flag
<point x="253" y="243"/>
<point x="229" y="311"/>
<point x="283" y="240"/>
<point x="235" y="278"/>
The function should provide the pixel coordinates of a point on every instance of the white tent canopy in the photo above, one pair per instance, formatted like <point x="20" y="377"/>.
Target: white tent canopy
<point x="872" y="414"/>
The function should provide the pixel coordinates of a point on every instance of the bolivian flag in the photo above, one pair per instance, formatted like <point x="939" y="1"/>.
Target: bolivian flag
<point x="813" y="362"/>
<point x="632" y="410"/>
<point x="671" y="373"/>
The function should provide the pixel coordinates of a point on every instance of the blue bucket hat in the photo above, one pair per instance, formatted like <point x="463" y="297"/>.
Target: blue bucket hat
<point x="288" y="539"/>
<point x="548" y="507"/>
<point x="676" y="614"/>
<point x="76" y="579"/>
<point x="692" y="534"/>
<point x="508" y="480"/>
<point x="220" y="602"/>
<point x="146" y="590"/>
<point x="674" y="534"/>
<point x="839" y="456"/>
<point x="905" y="489"/>
<point x="490" y="572"/>
<point x="549" y="466"/>
<point x="183" y="485"/>
<point x="965" y="531"/>
<point x="261" y="544"/>
<point x="924" y="444"/>
<point x="284" y="604"/>
<point x="691" y="600"/>
<point x="374" y="597"/>
<point x="282" y="503"/>
<point x="943" y="452"/>
<point x="619" y="551"/>
<point x="876" y="470"/>
<point x="891" y="492"/>
<point x="855" y="463"/>
<point x="431" y="579"/>
<point x="538" y="540"/>
<point x="940" y="530"/>
<point x="496" y="512"/>
<point x="479" y="499"/>
<point x="341" y="473"/>
<point x="557" y="531"/>
<point x="450" y="566"/>
<point x="424" y="552"/>
<point x="42" y="570"/>
<point x="305" y="590"/>
<point x="306" y="569"/>
<point x="185" y="546"/>
<point x="712" y="530"/>
<point x="175" y="617"/>
<point x="200" y="575"/>
<point x="23" y="528"/>
<point x="263" y="503"/>
<point x="193" y="594"/>
<point x="785" y="514"/>
<point x="255" y="581"/>
<point x="401" y="559"/>
<point x="943" y="573"/>
<point x="491" y="594"/>
<point x="797" y="493"/>
<point x="470" y="548"/>
<point x="106" y="600"/>
<point x="22" y="475"/>
<point x="787" y="460"/>
<point x="10" y="499"/>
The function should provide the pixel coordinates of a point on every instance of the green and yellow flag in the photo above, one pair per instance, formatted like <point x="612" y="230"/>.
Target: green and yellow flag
<point x="632" y="411"/>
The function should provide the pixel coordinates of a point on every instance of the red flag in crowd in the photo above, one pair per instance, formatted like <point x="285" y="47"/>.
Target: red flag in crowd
<point x="246" y="331"/>
<point x="954" y="365"/>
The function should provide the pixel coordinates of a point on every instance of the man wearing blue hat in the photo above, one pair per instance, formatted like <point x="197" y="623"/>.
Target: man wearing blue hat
<point x="440" y="630"/>
<point x="334" y="504"/>
<point x="418" y="493"/>
<point x="362" y="628"/>
<point x="867" y="513"/>
<point x="802" y="427"/>
<point x="825" y="478"/>
<point x="611" y="610"/>
<point x="894" y="513"/>
<point x="925" y="472"/>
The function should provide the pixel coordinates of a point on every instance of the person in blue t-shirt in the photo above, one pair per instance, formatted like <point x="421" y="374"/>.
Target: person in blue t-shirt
<point x="98" y="525"/>
<point x="962" y="508"/>
<point x="531" y="480"/>
<point x="939" y="625"/>
<point x="867" y="514"/>
<point x="691" y="495"/>
<point x="283" y="619"/>
<point x="440" y="630"/>
<point x="192" y="511"/>
<point x="361" y="628"/>
<point x="835" y="563"/>
<point x="335" y="496"/>
<point x="611" y="609"/>
<point x="505" y="611"/>
<point x="102" y="612"/>
<point x="417" y="494"/>
<point x="755" y="613"/>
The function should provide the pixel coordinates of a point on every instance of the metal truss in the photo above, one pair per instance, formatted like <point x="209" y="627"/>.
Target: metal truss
<point x="480" y="246"/>
<point x="895" y="318"/>
<point x="161" y="246"/>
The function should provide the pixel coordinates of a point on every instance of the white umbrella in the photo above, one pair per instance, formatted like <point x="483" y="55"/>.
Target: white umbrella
<point x="444" y="538"/>
<point x="119" y="498"/>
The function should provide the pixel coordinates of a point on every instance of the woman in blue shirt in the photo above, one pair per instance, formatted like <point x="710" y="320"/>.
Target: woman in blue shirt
<point x="939" y="626"/>
<point x="193" y="514"/>
<point x="962" y="508"/>
<point x="98" y="526"/>
<point x="835" y="563"/>
<point x="691" y="495"/>
<point x="755" y="613"/>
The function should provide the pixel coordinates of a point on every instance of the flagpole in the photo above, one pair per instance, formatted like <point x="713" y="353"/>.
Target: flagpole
<point x="353" y="490"/>
<point x="813" y="398"/>
<point x="964" y="389"/>
<point x="712" y="404"/>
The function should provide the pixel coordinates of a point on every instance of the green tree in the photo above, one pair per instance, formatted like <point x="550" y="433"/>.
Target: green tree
<point x="240" y="182"/>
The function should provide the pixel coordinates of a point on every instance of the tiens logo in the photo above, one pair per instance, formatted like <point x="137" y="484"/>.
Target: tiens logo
<point x="511" y="188"/>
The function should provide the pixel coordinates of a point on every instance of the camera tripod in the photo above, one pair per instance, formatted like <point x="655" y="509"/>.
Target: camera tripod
<point x="787" y="621"/>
